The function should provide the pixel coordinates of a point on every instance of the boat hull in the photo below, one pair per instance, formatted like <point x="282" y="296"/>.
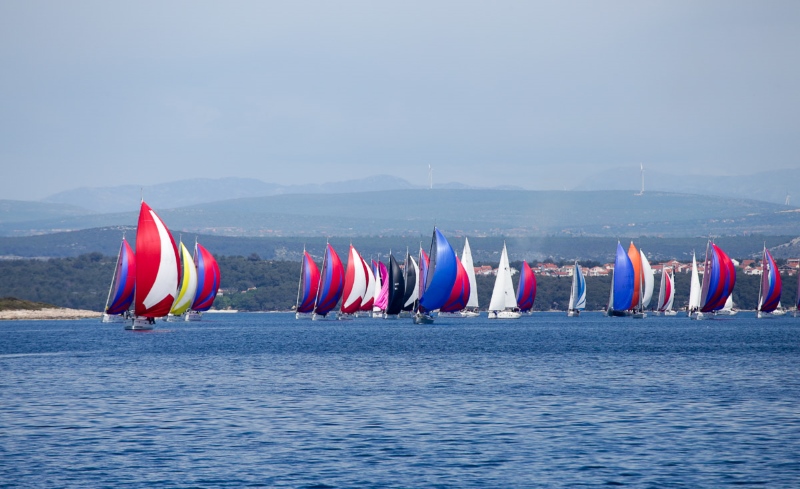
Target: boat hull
<point x="639" y="315"/>
<point x="504" y="315"/>
<point x="141" y="324"/>
<point x="193" y="316"/>
<point x="618" y="314"/>
<point x="420" y="318"/>
<point x="573" y="313"/>
<point x="173" y="319"/>
<point x="302" y="315"/>
<point x="115" y="318"/>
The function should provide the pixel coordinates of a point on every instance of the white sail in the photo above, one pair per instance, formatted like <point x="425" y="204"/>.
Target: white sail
<point x="466" y="261"/>
<point x="694" y="289"/>
<point x="647" y="278"/>
<point x="503" y="296"/>
<point x="577" y="296"/>
<point x="728" y="304"/>
<point x="359" y="280"/>
<point x="662" y="290"/>
<point x="415" y="294"/>
<point x="369" y="290"/>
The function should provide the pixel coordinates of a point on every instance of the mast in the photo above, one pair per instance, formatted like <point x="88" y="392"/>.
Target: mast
<point x="764" y="276"/>
<point x="300" y="281"/>
<point x="114" y="277"/>
<point x="321" y="277"/>
<point x="574" y="291"/>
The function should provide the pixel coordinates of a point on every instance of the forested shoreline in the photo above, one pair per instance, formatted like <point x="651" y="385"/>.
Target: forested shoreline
<point x="252" y="284"/>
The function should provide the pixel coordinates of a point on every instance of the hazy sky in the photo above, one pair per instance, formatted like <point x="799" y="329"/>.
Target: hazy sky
<point x="537" y="94"/>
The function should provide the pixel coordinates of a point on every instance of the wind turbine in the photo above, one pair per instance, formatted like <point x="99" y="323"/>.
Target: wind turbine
<point x="641" y="192"/>
<point x="430" y="177"/>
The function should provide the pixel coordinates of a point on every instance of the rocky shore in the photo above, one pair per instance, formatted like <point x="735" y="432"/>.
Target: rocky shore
<point x="48" y="313"/>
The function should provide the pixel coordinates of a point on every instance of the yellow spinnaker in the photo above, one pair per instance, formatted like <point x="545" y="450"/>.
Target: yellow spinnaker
<point x="188" y="284"/>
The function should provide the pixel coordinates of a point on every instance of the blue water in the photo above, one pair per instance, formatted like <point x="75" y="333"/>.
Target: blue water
<point x="264" y="400"/>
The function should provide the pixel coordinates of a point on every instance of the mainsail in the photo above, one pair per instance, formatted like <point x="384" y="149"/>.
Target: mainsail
<point x="503" y="297"/>
<point x="120" y="295"/>
<point x="577" y="296"/>
<point x="695" y="289"/>
<point x="526" y="290"/>
<point x="469" y="267"/>
<point x="157" y="269"/>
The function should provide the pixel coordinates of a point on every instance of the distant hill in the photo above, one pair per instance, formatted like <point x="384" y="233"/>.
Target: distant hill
<point x="468" y="212"/>
<point x="184" y="193"/>
<point x="21" y="211"/>
<point x="769" y="186"/>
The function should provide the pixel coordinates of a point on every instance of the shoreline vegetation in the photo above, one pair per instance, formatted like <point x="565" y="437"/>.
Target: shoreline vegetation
<point x="12" y="308"/>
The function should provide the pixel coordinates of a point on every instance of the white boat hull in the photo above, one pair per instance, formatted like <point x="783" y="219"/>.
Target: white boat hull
<point x="193" y="316"/>
<point x="302" y="315"/>
<point x="420" y="318"/>
<point x="173" y="319"/>
<point x="141" y="324"/>
<point x="504" y="315"/>
<point x="115" y="318"/>
<point x="639" y="315"/>
<point x="320" y="317"/>
<point x="573" y="313"/>
<point x="377" y="314"/>
<point x="670" y="313"/>
<point x="470" y="314"/>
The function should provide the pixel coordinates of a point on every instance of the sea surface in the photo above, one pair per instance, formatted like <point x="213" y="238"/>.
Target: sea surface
<point x="263" y="400"/>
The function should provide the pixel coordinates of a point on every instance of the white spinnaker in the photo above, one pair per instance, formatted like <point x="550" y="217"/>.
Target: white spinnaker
<point x="166" y="283"/>
<point x="415" y="294"/>
<point x="369" y="291"/>
<point x="466" y="260"/>
<point x="359" y="279"/>
<point x="647" y="274"/>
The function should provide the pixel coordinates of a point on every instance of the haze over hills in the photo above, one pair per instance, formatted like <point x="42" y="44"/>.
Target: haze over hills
<point x="413" y="212"/>
<point x="204" y="190"/>
<point x="768" y="186"/>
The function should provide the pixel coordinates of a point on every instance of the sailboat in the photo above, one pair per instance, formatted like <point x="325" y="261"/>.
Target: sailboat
<point x="472" y="303"/>
<point x="769" y="293"/>
<point x="208" y="280"/>
<point x="503" y="304"/>
<point x="331" y="284"/>
<point x="577" y="296"/>
<point x="438" y="278"/>
<point x="695" y="289"/>
<point x="666" y="294"/>
<point x="457" y="301"/>
<point x="355" y="285"/>
<point x="644" y="283"/>
<point x="381" y="289"/>
<point x="188" y="286"/>
<point x="526" y="289"/>
<point x="411" y="278"/>
<point x="622" y="280"/>
<point x="728" y="310"/>
<point x="123" y="283"/>
<point x="307" y="288"/>
<point x="369" y="293"/>
<point x="719" y="278"/>
<point x="157" y="270"/>
<point x="396" y="289"/>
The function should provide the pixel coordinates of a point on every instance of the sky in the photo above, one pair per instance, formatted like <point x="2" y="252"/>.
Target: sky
<point x="533" y="94"/>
